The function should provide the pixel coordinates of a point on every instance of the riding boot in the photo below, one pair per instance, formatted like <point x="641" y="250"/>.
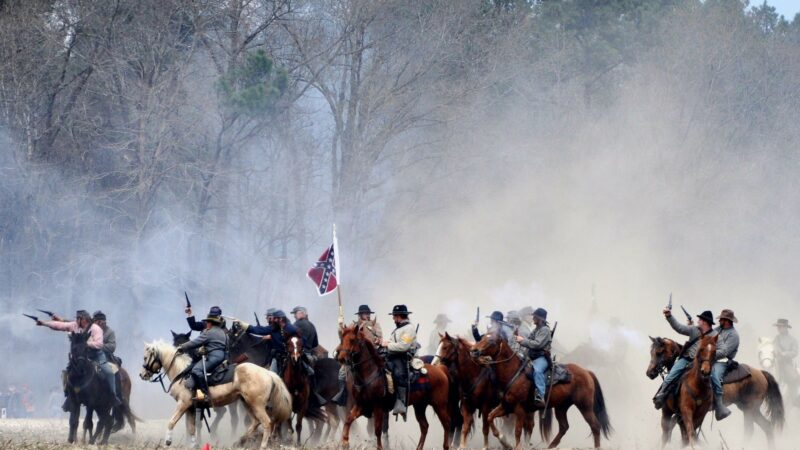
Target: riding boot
<point x="658" y="400"/>
<point x="341" y="397"/>
<point x="538" y="400"/>
<point x="720" y="410"/>
<point x="400" y="401"/>
<point x="201" y="394"/>
<point x="317" y="399"/>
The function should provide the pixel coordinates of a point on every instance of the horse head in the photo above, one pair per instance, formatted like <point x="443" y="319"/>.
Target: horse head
<point x="294" y="348"/>
<point x="663" y="353"/>
<point x="180" y="338"/>
<point x="80" y="364"/>
<point x="488" y="348"/>
<point x="706" y="353"/>
<point x="447" y="351"/>
<point x="152" y="362"/>
<point x="766" y="352"/>
<point x="349" y="349"/>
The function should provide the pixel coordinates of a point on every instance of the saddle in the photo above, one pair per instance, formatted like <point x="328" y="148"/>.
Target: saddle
<point x="222" y="374"/>
<point x="558" y="373"/>
<point x="735" y="372"/>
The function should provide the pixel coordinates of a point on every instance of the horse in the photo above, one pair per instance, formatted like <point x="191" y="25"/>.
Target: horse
<point x="787" y="376"/>
<point x="370" y="394"/>
<point x="747" y="394"/>
<point x="297" y="381"/>
<point x="583" y="391"/>
<point x="219" y="413"/>
<point x="477" y="390"/>
<point x="119" y="414"/>
<point x="265" y="397"/>
<point x="86" y="387"/>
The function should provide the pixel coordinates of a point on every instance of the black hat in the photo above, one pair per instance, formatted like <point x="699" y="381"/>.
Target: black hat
<point x="364" y="309"/>
<point x="400" y="310"/>
<point x="98" y="315"/>
<point x="215" y="311"/>
<point x="213" y="319"/>
<point x="540" y="313"/>
<point x="279" y="314"/>
<point x="707" y="316"/>
<point x="496" y="315"/>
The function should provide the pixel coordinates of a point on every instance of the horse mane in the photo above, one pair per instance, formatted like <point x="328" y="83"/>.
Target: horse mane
<point x="181" y="362"/>
<point x="361" y="336"/>
<point x="463" y="341"/>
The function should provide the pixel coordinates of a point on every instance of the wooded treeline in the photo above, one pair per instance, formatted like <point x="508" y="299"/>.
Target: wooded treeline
<point x="152" y="146"/>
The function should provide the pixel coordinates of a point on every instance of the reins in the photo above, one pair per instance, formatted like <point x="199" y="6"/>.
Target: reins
<point x="159" y="377"/>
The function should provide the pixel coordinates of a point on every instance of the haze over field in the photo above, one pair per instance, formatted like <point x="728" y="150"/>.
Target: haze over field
<point x="496" y="153"/>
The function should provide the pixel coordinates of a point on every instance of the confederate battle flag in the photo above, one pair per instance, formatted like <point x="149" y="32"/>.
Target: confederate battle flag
<point x="323" y="274"/>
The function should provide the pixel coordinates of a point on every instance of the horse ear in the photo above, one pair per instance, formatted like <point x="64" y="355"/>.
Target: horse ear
<point x="652" y="339"/>
<point x="174" y="334"/>
<point x="443" y="335"/>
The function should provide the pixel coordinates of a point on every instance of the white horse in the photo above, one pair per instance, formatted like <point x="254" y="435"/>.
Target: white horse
<point x="266" y="398"/>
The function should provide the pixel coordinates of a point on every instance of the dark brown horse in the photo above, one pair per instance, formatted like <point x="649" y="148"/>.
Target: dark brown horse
<point x="477" y="391"/>
<point x="583" y="391"/>
<point x="119" y="414"/>
<point x="370" y="391"/>
<point x="747" y="394"/>
<point x="297" y="381"/>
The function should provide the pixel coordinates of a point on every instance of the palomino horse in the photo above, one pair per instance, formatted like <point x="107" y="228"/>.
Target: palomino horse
<point x="297" y="381"/>
<point x="265" y="396"/>
<point x="747" y="394"/>
<point x="583" y="391"/>
<point x="219" y="413"/>
<point x="477" y="391"/>
<point x="370" y="393"/>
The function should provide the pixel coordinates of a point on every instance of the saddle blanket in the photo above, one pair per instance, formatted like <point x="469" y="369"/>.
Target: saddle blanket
<point x="222" y="374"/>
<point x="559" y="373"/>
<point x="741" y="372"/>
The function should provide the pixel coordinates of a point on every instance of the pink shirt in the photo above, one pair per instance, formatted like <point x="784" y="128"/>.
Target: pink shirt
<point x="95" y="332"/>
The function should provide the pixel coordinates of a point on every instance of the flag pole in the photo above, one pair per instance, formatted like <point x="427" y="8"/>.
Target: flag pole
<point x="338" y="274"/>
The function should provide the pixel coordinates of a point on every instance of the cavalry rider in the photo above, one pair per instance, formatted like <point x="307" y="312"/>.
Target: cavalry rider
<point x="786" y="351"/>
<point x="277" y="332"/>
<point x="727" y="347"/>
<point x="704" y="328"/>
<point x="538" y="344"/>
<point x="109" y="337"/>
<point x="194" y="325"/>
<point x="497" y="325"/>
<point x="82" y="324"/>
<point x="515" y="322"/>
<point x="441" y="322"/>
<point x="372" y="330"/>
<point x="401" y="346"/>
<point x="526" y="318"/>
<point x="214" y="343"/>
<point x="308" y="333"/>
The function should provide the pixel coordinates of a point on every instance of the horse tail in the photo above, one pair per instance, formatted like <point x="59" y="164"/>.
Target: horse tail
<point x="600" y="408"/>
<point x="316" y="414"/>
<point x="546" y="424"/>
<point x="279" y="402"/>
<point x="775" y="409"/>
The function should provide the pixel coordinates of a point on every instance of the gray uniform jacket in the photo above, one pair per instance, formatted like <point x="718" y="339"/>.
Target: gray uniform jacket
<point x="785" y="347"/>
<point x="694" y="334"/>
<point x="538" y="342"/>
<point x="403" y="339"/>
<point x="727" y="343"/>
<point x="109" y="341"/>
<point x="524" y="329"/>
<point x="212" y="339"/>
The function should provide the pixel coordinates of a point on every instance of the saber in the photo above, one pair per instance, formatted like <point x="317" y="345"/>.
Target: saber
<point x="34" y="318"/>
<point x="188" y="303"/>
<point x="49" y="313"/>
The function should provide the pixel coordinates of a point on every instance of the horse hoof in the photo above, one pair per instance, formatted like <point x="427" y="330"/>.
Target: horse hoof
<point x="168" y="442"/>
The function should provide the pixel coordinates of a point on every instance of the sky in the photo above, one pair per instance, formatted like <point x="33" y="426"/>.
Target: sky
<point x="787" y="8"/>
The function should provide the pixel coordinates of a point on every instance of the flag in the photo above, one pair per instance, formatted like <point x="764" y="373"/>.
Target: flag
<point x="323" y="274"/>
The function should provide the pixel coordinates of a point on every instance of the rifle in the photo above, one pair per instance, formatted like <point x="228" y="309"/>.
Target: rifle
<point x="552" y="367"/>
<point x="258" y="323"/>
<point x="688" y="316"/>
<point x="34" y="318"/>
<point x="188" y="303"/>
<point x="49" y="313"/>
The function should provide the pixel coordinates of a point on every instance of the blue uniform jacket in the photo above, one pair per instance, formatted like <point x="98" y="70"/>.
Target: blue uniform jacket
<point x="278" y="341"/>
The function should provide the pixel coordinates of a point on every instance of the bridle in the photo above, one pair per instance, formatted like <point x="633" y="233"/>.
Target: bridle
<point x="351" y="362"/>
<point x="479" y="353"/>
<point x="157" y="374"/>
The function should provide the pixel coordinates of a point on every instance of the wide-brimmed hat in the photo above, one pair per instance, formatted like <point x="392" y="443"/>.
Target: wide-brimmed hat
<point x="297" y="309"/>
<point x="213" y="319"/>
<point x="540" y="313"/>
<point x="513" y="317"/>
<point x="442" y="318"/>
<point x="728" y="315"/>
<point x="782" y="323"/>
<point x="526" y="311"/>
<point x="364" y="309"/>
<point x="707" y="316"/>
<point x="495" y="315"/>
<point x="98" y="315"/>
<point x="400" y="310"/>
<point x="215" y="311"/>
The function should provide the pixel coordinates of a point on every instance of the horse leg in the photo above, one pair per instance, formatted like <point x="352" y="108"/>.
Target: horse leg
<point x="419" y="412"/>
<point x="105" y="422"/>
<point x="261" y="417"/>
<point x="299" y="426"/>
<point x="176" y="416"/>
<point x="518" y="425"/>
<point x="88" y="426"/>
<point x="589" y="416"/>
<point x="251" y="427"/>
<point x="354" y="413"/>
<point x="219" y="413"/>
<point x="563" y="425"/>
<point x="379" y="415"/>
<point x="765" y="425"/>
<point x="499" y="411"/>
<point x="666" y="427"/>
<point x="468" y="418"/>
<point x="74" y="418"/>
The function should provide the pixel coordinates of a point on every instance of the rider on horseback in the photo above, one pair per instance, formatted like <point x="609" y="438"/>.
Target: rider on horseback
<point x="278" y="330"/>
<point x="401" y="346"/>
<point x="727" y="347"/>
<point x="441" y="322"/>
<point x="308" y="333"/>
<point x="83" y="324"/>
<point x="372" y="329"/>
<point x="496" y="325"/>
<point x="786" y="350"/>
<point x="109" y="337"/>
<point x="194" y="325"/>
<point x="685" y="359"/>
<point x="538" y="345"/>
<point x="214" y="343"/>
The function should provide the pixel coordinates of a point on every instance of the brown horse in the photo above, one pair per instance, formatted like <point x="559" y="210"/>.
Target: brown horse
<point x="477" y="391"/>
<point x="370" y="393"/>
<point x="583" y="391"/>
<point x="747" y="394"/>
<point x="296" y="379"/>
